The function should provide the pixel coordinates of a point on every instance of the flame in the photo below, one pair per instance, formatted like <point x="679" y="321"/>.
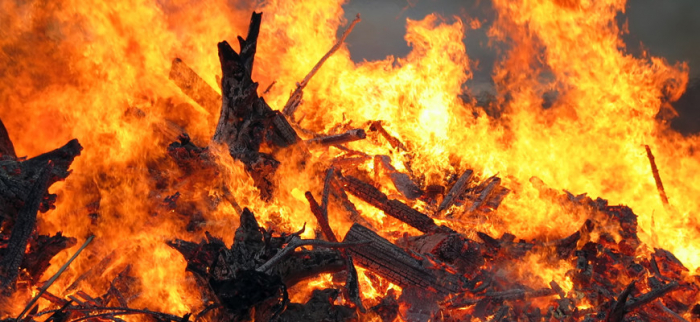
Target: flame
<point x="99" y="72"/>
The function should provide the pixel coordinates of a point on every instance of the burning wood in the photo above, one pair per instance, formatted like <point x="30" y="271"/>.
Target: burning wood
<point x="453" y="271"/>
<point x="349" y="136"/>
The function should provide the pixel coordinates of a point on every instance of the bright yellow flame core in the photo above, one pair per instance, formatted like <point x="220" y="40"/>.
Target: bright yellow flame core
<point x="99" y="72"/>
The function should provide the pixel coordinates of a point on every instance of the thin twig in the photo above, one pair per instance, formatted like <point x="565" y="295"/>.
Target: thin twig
<point x="54" y="277"/>
<point x="295" y="98"/>
<point x="121" y="311"/>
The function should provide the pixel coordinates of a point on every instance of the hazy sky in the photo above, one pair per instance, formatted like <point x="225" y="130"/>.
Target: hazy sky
<point x="668" y="28"/>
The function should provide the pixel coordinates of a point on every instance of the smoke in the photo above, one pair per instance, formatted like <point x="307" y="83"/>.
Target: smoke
<point x="668" y="29"/>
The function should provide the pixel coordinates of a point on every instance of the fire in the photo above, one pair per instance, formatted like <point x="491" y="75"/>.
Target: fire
<point x="99" y="72"/>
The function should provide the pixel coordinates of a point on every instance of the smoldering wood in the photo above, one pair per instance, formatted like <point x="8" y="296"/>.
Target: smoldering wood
<point x="456" y="191"/>
<point x="496" y="197"/>
<point x="392" y="207"/>
<point x="390" y="261"/>
<point x="21" y="230"/>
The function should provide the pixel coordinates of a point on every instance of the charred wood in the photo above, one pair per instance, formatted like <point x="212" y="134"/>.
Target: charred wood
<point x="21" y="231"/>
<point x="246" y="121"/>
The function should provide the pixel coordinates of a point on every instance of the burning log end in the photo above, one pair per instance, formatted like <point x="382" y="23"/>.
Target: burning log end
<point x="326" y="141"/>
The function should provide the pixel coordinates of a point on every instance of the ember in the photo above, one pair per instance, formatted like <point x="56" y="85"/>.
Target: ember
<point x="338" y="191"/>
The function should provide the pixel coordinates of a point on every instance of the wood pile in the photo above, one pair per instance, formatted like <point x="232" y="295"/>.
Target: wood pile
<point x="444" y="275"/>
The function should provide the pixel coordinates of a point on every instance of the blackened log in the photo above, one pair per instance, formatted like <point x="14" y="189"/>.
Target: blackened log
<point x="7" y="149"/>
<point x="352" y="284"/>
<point x="390" y="261"/>
<point x="248" y="241"/>
<point x="392" y="207"/>
<point x="22" y="229"/>
<point x="457" y="190"/>
<point x="194" y="86"/>
<point x="339" y="193"/>
<point x="349" y="136"/>
<point x="246" y="121"/>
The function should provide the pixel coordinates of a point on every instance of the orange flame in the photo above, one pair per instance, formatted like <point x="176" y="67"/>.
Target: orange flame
<point x="99" y="72"/>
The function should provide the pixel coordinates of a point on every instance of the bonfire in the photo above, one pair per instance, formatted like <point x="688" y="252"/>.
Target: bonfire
<point x="228" y="166"/>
